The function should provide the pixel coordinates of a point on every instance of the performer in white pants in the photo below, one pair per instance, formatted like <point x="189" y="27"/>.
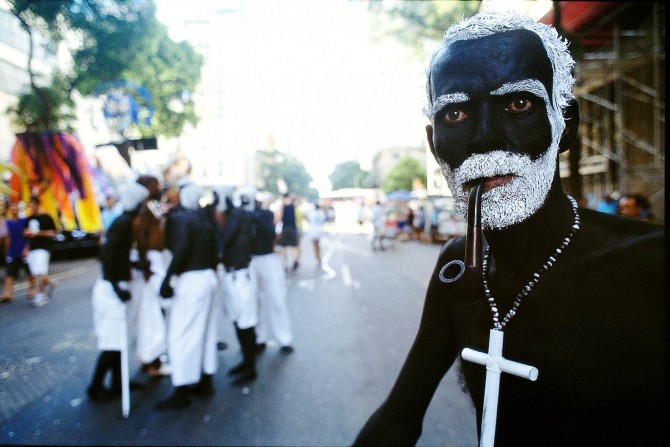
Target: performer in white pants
<point x="152" y="328"/>
<point x="239" y="289"/>
<point x="192" y="324"/>
<point x="149" y="238"/>
<point x="136" y="287"/>
<point x="268" y="273"/>
<point x="110" y="293"/>
<point x="192" y="321"/>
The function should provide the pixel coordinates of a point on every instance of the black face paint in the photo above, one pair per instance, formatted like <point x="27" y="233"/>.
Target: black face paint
<point x="493" y="120"/>
<point x="516" y="122"/>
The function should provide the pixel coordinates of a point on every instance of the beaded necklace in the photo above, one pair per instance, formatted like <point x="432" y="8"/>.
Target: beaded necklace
<point x="499" y="325"/>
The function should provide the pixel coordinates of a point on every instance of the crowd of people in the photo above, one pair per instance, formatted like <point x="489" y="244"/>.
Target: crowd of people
<point x="172" y="271"/>
<point x="419" y="219"/>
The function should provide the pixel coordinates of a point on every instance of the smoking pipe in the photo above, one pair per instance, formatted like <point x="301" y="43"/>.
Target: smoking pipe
<point x="458" y="271"/>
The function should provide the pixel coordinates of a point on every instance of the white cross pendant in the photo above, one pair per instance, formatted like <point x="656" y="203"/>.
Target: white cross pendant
<point x="495" y="365"/>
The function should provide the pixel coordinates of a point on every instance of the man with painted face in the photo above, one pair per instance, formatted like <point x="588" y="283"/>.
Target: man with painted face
<point x="578" y="294"/>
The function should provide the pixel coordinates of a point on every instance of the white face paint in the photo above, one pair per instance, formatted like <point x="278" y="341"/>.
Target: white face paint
<point x="515" y="201"/>
<point x="443" y="101"/>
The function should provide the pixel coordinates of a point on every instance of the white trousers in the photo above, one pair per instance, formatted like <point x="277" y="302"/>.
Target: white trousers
<point x="192" y="327"/>
<point x="136" y="287"/>
<point x="239" y="292"/>
<point x="268" y="273"/>
<point x="151" y="327"/>
<point x="38" y="261"/>
<point x="109" y="317"/>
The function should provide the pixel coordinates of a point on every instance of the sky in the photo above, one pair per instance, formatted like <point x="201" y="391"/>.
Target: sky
<point x="322" y="86"/>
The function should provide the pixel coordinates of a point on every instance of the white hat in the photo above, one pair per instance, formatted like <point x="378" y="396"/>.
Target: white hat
<point x="222" y="193"/>
<point x="131" y="195"/>
<point x="189" y="196"/>
<point x="247" y="197"/>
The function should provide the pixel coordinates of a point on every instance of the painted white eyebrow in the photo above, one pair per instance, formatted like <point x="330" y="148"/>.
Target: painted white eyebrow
<point x="444" y="100"/>
<point x="527" y="85"/>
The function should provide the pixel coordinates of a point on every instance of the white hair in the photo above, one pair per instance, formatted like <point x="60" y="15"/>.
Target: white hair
<point x="512" y="203"/>
<point x="488" y="23"/>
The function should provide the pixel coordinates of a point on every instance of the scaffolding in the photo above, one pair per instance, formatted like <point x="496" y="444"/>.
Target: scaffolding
<point x="621" y="93"/>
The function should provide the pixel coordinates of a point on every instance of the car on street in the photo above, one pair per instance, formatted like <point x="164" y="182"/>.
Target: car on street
<point x="70" y="244"/>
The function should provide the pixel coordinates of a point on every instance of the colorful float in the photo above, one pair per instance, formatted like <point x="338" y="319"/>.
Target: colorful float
<point x="55" y="168"/>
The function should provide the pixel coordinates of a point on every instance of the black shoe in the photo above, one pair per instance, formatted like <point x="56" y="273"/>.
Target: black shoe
<point x="237" y="369"/>
<point x="288" y="349"/>
<point x="98" y="394"/>
<point x="245" y="377"/>
<point x="260" y="347"/>
<point x="204" y="389"/>
<point x="221" y="345"/>
<point x="295" y="266"/>
<point x="176" y="401"/>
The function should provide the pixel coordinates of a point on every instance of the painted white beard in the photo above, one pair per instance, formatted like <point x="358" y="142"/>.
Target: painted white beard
<point x="511" y="203"/>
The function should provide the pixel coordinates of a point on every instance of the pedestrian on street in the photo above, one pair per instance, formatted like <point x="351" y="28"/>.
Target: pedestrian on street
<point x="111" y="293"/>
<point x="316" y="219"/>
<point x="110" y="211"/>
<point x="192" y="324"/>
<point x="40" y="229"/>
<point x="635" y="206"/>
<point x="289" y="240"/>
<point x="609" y="203"/>
<point x="378" y="226"/>
<point x="15" y="257"/>
<point x="270" y="278"/>
<point x="561" y="283"/>
<point x="239" y="289"/>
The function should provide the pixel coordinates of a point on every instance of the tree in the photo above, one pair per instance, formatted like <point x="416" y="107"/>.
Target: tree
<point x="348" y="174"/>
<point x="45" y="108"/>
<point x="417" y="23"/>
<point x="278" y="169"/>
<point x="403" y="175"/>
<point x="117" y="40"/>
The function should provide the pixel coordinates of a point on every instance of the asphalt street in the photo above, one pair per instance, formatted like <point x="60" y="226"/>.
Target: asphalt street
<point x="354" y="319"/>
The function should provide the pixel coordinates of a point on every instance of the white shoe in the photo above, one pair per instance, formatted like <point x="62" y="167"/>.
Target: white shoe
<point x="40" y="300"/>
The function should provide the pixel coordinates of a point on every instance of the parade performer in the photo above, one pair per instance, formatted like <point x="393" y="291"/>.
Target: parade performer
<point x="268" y="272"/>
<point x="239" y="289"/>
<point x="578" y="294"/>
<point x="149" y="238"/>
<point x="110" y="293"/>
<point x="192" y="324"/>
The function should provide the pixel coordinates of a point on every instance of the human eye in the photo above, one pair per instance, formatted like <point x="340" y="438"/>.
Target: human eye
<point x="519" y="104"/>
<point x="453" y="116"/>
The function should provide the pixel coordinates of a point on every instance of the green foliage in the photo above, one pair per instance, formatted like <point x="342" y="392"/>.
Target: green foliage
<point x="121" y="40"/>
<point x="348" y="174"/>
<point x="403" y="174"/>
<point x="31" y="113"/>
<point x="419" y="23"/>
<point x="278" y="168"/>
